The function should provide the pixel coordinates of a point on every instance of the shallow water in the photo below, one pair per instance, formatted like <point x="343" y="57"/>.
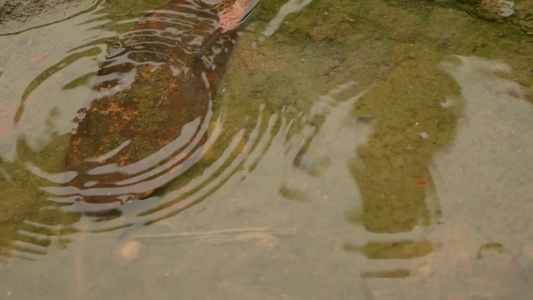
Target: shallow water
<point x="355" y="150"/>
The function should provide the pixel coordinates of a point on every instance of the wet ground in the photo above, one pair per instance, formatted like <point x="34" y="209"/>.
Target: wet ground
<point x="356" y="150"/>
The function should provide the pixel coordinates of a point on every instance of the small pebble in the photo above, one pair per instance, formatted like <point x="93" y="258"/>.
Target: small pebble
<point x="129" y="251"/>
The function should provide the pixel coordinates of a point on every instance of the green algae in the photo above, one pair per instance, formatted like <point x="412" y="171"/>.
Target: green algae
<point x="23" y="201"/>
<point x="398" y="48"/>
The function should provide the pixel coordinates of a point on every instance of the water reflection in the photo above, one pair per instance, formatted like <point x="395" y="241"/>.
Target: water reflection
<point x="303" y="186"/>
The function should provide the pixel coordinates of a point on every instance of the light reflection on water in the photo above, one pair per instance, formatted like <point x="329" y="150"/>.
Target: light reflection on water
<point x="286" y="197"/>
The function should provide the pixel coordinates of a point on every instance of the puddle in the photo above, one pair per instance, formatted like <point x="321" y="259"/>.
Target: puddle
<point x="337" y="149"/>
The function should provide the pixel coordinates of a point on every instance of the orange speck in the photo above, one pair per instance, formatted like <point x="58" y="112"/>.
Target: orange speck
<point x="34" y="58"/>
<point x="421" y="182"/>
<point x="483" y="113"/>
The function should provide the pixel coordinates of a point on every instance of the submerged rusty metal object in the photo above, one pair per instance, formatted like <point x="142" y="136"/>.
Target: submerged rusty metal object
<point x="155" y="92"/>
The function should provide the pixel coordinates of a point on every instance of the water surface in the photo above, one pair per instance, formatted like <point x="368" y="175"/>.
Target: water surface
<point x="355" y="150"/>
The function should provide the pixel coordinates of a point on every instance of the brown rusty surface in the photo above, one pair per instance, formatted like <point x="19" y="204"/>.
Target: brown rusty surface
<point x="162" y="76"/>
